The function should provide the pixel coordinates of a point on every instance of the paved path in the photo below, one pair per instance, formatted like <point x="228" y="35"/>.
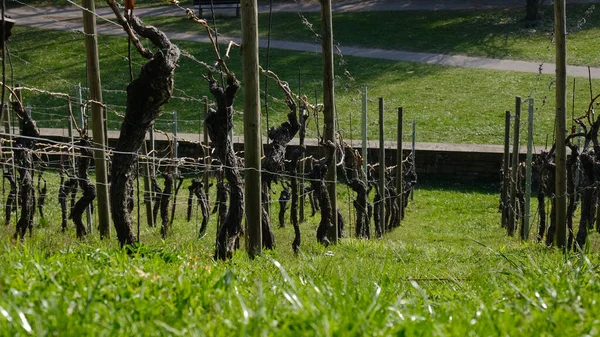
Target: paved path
<point x="62" y="19"/>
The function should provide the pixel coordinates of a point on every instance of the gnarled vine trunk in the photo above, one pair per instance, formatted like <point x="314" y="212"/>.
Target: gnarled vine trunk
<point x="274" y="162"/>
<point x="191" y="192"/>
<point x="218" y="123"/>
<point x="89" y="191"/>
<point x="12" y="196"/>
<point x="157" y="191"/>
<point x="296" y="155"/>
<point x="317" y="181"/>
<point x="204" y="208"/>
<point x="66" y="186"/>
<point x="24" y="160"/>
<point x="355" y="178"/>
<point x="164" y="204"/>
<point x="145" y="96"/>
<point x="221" y="202"/>
<point x="284" y="198"/>
<point x="42" y="193"/>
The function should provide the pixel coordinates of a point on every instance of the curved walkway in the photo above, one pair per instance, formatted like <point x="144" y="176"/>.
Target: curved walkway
<point x="63" y="19"/>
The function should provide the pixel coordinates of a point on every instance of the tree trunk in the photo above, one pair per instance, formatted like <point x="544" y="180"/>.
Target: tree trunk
<point x="532" y="10"/>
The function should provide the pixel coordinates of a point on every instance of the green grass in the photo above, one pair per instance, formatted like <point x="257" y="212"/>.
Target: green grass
<point x="497" y="33"/>
<point x="449" y="104"/>
<point x="450" y="270"/>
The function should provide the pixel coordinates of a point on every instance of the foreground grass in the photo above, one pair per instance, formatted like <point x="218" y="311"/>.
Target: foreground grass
<point x="450" y="105"/>
<point x="496" y="33"/>
<point x="449" y="270"/>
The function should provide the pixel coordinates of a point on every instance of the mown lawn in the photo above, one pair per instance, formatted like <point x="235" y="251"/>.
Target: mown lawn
<point x="495" y="33"/>
<point x="451" y="105"/>
<point x="449" y="270"/>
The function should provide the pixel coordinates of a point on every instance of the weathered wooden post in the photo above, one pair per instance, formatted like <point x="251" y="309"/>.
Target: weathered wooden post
<point x="365" y="141"/>
<point x="175" y="138"/>
<point x="381" y="169"/>
<point x="93" y="74"/>
<point x="88" y="211"/>
<point x="399" y="176"/>
<point x="252" y="127"/>
<point x="527" y="211"/>
<point x="505" y="199"/>
<point x="206" y="149"/>
<point x="560" y="29"/>
<point x="512" y="221"/>
<point x="152" y="148"/>
<point x="414" y="153"/>
<point x="148" y="194"/>
<point x="329" y="113"/>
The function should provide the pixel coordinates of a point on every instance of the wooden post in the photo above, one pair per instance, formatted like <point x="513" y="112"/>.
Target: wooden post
<point x="148" y="194"/>
<point x="3" y="114"/>
<point x="175" y="152"/>
<point x="6" y="121"/>
<point x="175" y="138"/>
<point x="93" y="74"/>
<point x="381" y="170"/>
<point x="252" y="127"/>
<point x="329" y="113"/>
<point x="505" y="200"/>
<point x="414" y="153"/>
<point x="512" y="222"/>
<point x="526" y="213"/>
<point x="88" y="211"/>
<point x="399" y="176"/>
<point x="365" y="144"/>
<point x="152" y="148"/>
<point x="301" y="189"/>
<point x="8" y="130"/>
<point x="206" y="148"/>
<point x="72" y="145"/>
<point x="560" y="27"/>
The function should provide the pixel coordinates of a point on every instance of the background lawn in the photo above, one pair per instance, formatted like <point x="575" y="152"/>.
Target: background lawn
<point x="452" y="105"/>
<point x="495" y="33"/>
